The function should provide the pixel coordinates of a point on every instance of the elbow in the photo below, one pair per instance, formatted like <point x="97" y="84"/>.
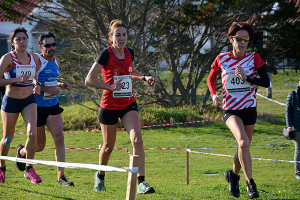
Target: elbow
<point x="87" y="82"/>
<point x="267" y="84"/>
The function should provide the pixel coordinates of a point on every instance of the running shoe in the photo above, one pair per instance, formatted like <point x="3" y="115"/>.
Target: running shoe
<point x="251" y="189"/>
<point x="233" y="181"/>
<point x="32" y="175"/>
<point x="20" y="166"/>
<point x="2" y="175"/>
<point x="144" y="188"/>
<point x="298" y="175"/>
<point x="63" y="181"/>
<point x="99" y="184"/>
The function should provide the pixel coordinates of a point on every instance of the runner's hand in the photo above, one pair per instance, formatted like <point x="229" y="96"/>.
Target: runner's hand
<point x="241" y="72"/>
<point x="117" y="85"/>
<point x="151" y="79"/>
<point x="22" y="79"/>
<point x="53" y="90"/>
<point x="67" y="86"/>
<point x="216" y="100"/>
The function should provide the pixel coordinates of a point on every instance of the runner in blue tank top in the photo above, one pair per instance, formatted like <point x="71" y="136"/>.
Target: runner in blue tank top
<point x="48" y="76"/>
<point x="48" y="110"/>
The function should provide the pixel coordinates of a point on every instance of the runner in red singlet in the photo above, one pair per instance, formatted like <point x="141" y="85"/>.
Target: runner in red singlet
<point x="239" y="72"/>
<point x="116" y="64"/>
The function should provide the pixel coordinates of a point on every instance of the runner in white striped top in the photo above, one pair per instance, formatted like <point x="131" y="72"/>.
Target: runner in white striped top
<point x="239" y="72"/>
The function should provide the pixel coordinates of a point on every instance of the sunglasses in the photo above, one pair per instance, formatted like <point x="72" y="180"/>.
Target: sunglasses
<point x="240" y="38"/>
<point x="49" y="45"/>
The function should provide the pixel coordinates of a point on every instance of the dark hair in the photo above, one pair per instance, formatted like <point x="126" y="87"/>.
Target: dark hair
<point x="237" y="26"/>
<point x="113" y="25"/>
<point x="14" y="33"/>
<point x="45" y="35"/>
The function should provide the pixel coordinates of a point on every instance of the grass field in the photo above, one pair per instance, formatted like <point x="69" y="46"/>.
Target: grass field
<point x="165" y="169"/>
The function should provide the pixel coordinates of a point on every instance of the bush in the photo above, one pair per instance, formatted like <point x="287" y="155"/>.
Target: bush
<point x="156" y="114"/>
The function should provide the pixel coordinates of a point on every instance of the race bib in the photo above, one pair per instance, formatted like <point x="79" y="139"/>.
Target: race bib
<point x="235" y="84"/>
<point x="46" y="94"/>
<point x="28" y="70"/>
<point x="126" y="90"/>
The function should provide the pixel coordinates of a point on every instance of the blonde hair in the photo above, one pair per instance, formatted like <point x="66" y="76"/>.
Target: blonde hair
<point x="113" y="25"/>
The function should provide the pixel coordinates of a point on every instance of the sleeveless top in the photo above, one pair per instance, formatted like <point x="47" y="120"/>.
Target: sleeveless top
<point x="238" y="94"/>
<point x="47" y="76"/>
<point x="20" y="69"/>
<point x="116" y="67"/>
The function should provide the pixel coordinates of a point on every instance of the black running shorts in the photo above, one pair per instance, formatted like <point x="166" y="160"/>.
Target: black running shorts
<point x="248" y="115"/>
<point x="44" y="112"/>
<point x="110" y="117"/>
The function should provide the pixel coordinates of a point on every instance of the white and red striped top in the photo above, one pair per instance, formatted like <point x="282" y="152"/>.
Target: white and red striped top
<point x="237" y="93"/>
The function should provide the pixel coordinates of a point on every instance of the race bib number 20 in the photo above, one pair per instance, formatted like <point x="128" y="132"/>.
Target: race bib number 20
<point x="126" y="90"/>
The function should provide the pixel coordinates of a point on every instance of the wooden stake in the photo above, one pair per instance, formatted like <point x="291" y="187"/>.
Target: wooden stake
<point x="187" y="166"/>
<point x="131" y="184"/>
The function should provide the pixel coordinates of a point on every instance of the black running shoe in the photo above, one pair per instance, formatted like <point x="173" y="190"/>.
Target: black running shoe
<point x="63" y="180"/>
<point x="233" y="181"/>
<point x="251" y="189"/>
<point x="20" y="166"/>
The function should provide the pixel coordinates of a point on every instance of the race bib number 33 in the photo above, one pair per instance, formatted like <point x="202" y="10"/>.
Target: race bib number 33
<point x="126" y="90"/>
<point x="235" y="84"/>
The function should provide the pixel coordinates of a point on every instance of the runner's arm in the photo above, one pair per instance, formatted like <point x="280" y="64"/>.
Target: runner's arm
<point x="263" y="79"/>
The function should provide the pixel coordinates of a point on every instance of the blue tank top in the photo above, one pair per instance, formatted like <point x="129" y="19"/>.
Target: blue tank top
<point x="20" y="69"/>
<point x="47" y="76"/>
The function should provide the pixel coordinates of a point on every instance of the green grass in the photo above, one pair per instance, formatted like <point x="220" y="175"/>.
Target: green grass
<point x="165" y="169"/>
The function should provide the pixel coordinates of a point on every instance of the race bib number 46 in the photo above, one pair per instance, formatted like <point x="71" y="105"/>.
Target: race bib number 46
<point x="126" y="90"/>
<point x="28" y="70"/>
<point x="235" y="84"/>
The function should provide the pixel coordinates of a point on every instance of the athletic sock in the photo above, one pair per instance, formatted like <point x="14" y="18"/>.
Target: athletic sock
<point x="141" y="179"/>
<point x="59" y="174"/>
<point x="101" y="176"/>
<point x="27" y="168"/>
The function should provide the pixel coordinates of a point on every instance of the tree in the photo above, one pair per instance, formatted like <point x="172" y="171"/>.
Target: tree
<point x="183" y="34"/>
<point x="180" y="37"/>
<point x="282" y="26"/>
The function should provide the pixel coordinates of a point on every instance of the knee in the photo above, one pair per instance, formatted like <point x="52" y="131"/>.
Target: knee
<point x="244" y="144"/>
<point x="107" y="149"/>
<point x="40" y="148"/>
<point x="6" y="140"/>
<point x="137" y="141"/>
<point x="59" y="140"/>
<point x="31" y="136"/>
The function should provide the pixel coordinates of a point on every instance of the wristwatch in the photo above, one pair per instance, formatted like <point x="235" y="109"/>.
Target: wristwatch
<point x="144" y="77"/>
<point x="37" y="83"/>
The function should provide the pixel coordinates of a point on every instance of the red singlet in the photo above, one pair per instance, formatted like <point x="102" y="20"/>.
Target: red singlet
<point x="116" y="67"/>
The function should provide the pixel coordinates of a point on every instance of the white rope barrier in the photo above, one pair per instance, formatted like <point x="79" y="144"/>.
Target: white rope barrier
<point x="283" y="104"/>
<point x="284" y="84"/>
<point x="223" y="155"/>
<point x="70" y="165"/>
